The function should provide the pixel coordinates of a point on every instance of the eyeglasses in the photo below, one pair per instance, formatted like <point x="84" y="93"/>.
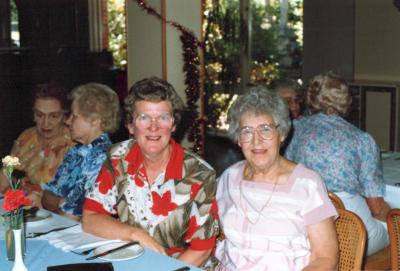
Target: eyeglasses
<point x="265" y="131"/>
<point x="144" y="121"/>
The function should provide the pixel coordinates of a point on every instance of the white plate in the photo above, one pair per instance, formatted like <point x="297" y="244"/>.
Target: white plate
<point x="39" y="217"/>
<point x="127" y="253"/>
<point x="386" y="155"/>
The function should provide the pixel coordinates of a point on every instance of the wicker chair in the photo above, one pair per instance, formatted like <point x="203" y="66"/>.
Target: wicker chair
<point x="393" y="223"/>
<point x="352" y="238"/>
<point x="337" y="202"/>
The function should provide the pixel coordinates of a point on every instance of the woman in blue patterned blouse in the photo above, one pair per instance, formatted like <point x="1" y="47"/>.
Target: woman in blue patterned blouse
<point x="95" y="113"/>
<point x="347" y="158"/>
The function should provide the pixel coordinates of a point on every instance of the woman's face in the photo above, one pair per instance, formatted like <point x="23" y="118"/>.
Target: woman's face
<point x="83" y="129"/>
<point x="292" y="100"/>
<point x="260" y="153"/>
<point x="152" y="127"/>
<point x="49" y="117"/>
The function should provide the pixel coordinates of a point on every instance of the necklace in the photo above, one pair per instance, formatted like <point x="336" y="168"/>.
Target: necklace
<point x="259" y="212"/>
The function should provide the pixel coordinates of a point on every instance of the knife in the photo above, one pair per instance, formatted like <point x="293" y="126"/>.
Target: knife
<point x="37" y="234"/>
<point x="112" y="250"/>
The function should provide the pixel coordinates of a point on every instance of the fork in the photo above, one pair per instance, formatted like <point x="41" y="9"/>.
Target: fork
<point x="85" y="252"/>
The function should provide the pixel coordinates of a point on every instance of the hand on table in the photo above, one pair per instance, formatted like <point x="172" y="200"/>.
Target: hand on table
<point x="147" y="241"/>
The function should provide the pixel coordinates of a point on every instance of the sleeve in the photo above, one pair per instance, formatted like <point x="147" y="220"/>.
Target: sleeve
<point x="101" y="197"/>
<point x="318" y="206"/>
<point x="371" y="175"/>
<point x="203" y="223"/>
<point x="75" y="198"/>
<point x="55" y="185"/>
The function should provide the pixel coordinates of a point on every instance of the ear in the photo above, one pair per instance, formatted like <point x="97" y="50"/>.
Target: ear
<point x="173" y="129"/>
<point x="131" y="128"/>
<point x="283" y="139"/>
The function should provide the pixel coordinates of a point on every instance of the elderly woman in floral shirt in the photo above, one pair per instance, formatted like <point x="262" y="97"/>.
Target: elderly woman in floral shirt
<point x="95" y="113"/>
<point x="152" y="190"/>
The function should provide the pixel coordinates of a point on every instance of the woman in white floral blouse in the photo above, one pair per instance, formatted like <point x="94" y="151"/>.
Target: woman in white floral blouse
<point x="150" y="189"/>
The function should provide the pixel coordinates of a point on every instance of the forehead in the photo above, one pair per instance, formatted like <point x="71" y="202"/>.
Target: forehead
<point x="47" y="105"/>
<point x="253" y="120"/>
<point x="156" y="107"/>
<point x="287" y="92"/>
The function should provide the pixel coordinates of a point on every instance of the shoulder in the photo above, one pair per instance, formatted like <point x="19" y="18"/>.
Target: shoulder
<point x="28" y="133"/>
<point x="193" y="163"/>
<point x="121" y="149"/>
<point x="232" y="171"/>
<point x="301" y="171"/>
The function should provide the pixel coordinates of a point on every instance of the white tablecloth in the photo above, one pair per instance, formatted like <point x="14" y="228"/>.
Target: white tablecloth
<point x="391" y="175"/>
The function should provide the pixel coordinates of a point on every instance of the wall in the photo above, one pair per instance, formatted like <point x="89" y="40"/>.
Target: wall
<point x="377" y="41"/>
<point x="154" y="48"/>
<point x="328" y="37"/>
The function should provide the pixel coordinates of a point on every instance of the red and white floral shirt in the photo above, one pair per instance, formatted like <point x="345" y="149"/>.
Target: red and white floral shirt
<point x="179" y="209"/>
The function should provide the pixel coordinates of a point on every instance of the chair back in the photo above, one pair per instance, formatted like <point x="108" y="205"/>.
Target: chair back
<point x="393" y="223"/>
<point x="337" y="202"/>
<point x="352" y="238"/>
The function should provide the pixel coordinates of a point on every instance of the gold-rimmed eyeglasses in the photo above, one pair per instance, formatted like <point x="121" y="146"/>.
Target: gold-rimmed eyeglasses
<point x="144" y="121"/>
<point x="265" y="131"/>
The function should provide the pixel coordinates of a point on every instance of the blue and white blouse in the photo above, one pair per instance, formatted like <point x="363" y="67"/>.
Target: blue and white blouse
<point x="78" y="171"/>
<point x="347" y="159"/>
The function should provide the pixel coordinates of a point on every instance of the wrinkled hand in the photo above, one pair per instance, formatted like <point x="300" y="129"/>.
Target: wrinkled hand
<point x="379" y="207"/>
<point x="36" y="199"/>
<point x="147" y="241"/>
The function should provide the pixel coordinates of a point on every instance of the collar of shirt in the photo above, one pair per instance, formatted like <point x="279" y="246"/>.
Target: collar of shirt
<point x="175" y="163"/>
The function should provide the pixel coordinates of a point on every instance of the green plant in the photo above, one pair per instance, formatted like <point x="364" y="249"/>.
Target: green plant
<point x="117" y="32"/>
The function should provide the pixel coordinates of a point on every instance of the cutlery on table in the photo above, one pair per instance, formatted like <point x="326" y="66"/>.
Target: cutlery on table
<point x="85" y="252"/>
<point x="113" y="250"/>
<point x="37" y="234"/>
<point x="185" y="268"/>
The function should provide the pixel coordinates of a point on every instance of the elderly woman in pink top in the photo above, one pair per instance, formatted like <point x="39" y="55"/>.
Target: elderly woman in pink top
<point x="275" y="214"/>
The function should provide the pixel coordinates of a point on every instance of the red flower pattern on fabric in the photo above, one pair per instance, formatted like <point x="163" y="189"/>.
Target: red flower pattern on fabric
<point x="192" y="228"/>
<point x="13" y="199"/>
<point x="106" y="182"/>
<point x="162" y="205"/>
<point x="194" y="189"/>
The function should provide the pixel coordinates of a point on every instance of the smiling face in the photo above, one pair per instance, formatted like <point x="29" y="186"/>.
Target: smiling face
<point x="49" y="117"/>
<point x="152" y="127"/>
<point x="260" y="153"/>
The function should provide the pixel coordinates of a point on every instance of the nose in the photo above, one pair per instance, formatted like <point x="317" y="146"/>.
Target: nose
<point x="256" y="138"/>
<point x="153" y="124"/>
<point x="46" y="121"/>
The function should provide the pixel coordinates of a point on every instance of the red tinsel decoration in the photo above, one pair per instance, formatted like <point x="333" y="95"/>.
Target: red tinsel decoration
<point x="191" y="60"/>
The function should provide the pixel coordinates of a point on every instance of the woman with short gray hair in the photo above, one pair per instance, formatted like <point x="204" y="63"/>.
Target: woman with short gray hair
<point x="275" y="214"/>
<point x="346" y="157"/>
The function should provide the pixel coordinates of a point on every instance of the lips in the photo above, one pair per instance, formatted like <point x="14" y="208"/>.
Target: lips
<point x="153" y="138"/>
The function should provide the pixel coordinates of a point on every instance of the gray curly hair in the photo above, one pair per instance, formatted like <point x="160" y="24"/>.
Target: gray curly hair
<point x="329" y="94"/>
<point x="260" y="101"/>
<point x="96" y="100"/>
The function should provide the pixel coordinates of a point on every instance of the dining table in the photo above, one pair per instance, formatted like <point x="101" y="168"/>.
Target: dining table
<point x="41" y="254"/>
<point x="391" y="176"/>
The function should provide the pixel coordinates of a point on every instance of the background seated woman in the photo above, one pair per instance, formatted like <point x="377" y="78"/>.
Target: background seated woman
<point x="347" y="158"/>
<point x="95" y="112"/>
<point x="152" y="190"/>
<point x="275" y="214"/>
<point x="41" y="149"/>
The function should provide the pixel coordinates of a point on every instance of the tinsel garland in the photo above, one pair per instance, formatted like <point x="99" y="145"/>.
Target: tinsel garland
<point x="191" y="60"/>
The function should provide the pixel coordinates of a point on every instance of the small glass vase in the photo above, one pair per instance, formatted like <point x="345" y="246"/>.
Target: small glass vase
<point x="14" y="221"/>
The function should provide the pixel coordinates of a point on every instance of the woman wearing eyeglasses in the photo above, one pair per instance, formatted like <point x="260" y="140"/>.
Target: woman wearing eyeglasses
<point x="275" y="214"/>
<point x="94" y="114"/>
<point x="150" y="189"/>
